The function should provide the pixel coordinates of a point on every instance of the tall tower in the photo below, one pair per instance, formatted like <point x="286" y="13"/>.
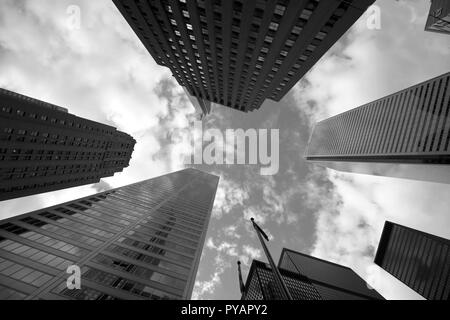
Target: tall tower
<point x="141" y="241"/>
<point x="44" y="148"/>
<point x="418" y="259"/>
<point x="307" y="278"/>
<point x="405" y="135"/>
<point x="239" y="53"/>
<point x="439" y="17"/>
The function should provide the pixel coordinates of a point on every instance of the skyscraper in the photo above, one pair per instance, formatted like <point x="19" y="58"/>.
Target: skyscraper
<point x="439" y="17"/>
<point x="239" y="53"/>
<point x="141" y="241"/>
<point x="44" y="148"/>
<point x="418" y="259"/>
<point x="405" y="135"/>
<point x="307" y="278"/>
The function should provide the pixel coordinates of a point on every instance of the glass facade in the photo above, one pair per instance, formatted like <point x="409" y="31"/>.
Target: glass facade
<point x="418" y="259"/>
<point x="141" y="241"/>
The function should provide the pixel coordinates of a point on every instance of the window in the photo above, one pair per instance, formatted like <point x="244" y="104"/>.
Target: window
<point x="279" y="9"/>
<point x="273" y="26"/>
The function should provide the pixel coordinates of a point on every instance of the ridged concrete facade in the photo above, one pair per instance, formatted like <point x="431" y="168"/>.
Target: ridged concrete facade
<point x="410" y="127"/>
<point x="418" y="259"/>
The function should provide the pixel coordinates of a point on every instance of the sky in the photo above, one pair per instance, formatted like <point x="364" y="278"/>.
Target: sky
<point x="99" y="70"/>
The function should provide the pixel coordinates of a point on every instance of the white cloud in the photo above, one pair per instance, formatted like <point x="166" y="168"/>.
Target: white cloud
<point x="253" y="212"/>
<point x="101" y="72"/>
<point x="254" y="253"/>
<point x="231" y="231"/>
<point x="229" y="194"/>
<point x="225" y="247"/>
<point x="351" y="213"/>
<point x="225" y="252"/>
<point x="201" y="288"/>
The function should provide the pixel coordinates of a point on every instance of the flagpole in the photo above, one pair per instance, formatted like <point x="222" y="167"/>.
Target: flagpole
<point x="241" y="282"/>
<point x="276" y="273"/>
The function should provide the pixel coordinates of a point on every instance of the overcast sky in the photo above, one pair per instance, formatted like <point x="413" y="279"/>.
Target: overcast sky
<point x="102" y="72"/>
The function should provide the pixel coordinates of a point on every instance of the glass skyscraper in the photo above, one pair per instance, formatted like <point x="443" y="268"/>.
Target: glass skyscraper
<point x="418" y="259"/>
<point x="141" y="241"/>
<point x="404" y="135"/>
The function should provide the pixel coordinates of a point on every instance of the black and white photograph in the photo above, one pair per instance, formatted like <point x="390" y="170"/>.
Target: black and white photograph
<point x="225" y="154"/>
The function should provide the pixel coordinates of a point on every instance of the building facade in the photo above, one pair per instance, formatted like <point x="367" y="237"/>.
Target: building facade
<point x="307" y="278"/>
<point x="239" y="53"/>
<point x="44" y="148"/>
<point x="418" y="259"/>
<point x="439" y="17"/>
<point x="405" y="135"/>
<point x="261" y="284"/>
<point x="141" y="241"/>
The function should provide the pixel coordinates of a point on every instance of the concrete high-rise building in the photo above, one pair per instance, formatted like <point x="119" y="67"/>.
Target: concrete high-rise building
<point x="141" y="241"/>
<point x="405" y="135"/>
<point x="307" y="278"/>
<point x="439" y="17"/>
<point x="418" y="259"/>
<point x="44" y="148"/>
<point x="239" y="53"/>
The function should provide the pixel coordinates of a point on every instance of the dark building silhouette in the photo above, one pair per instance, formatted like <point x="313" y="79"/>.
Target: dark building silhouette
<point x="141" y="241"/>
<point x="418" y="259"/>
<point x="239" y="53"/>
<point x="307" y="278"/>
<point x="439" y="17"/>
<point x="405" y="135"/>
<point x="44" y="148"/>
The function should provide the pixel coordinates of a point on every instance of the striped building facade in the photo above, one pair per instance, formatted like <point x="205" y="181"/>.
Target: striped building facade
<point x="240" y="52"/>
<point x="410" y="127"/>
<point x="418" y="259"/>
<point x="141" y="241"/>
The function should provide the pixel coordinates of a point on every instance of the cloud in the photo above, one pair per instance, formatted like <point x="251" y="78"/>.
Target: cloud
<point x="102" y="186"/>
<point x="225" y="247"/>
<point x="229" y="194"/>
<point x="101" y="72"/>
<point x="253" y="212"/>
<point x="248" y="254"/>
<point x="231" y="231"/>
<point x="224" y="251"/>
<point x="351" y="209"/>
<point x="201" y="288"/>
<point x="252" y="252"/>
<point x="104" y="73"/>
